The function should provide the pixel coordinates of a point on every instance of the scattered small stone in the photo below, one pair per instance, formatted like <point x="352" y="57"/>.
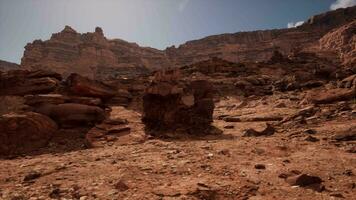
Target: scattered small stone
<point x="348" y="172"/>
<point x="351" y="149"/>
<point x="229" y="127"/>
<point x="121" y="186"/>
<point x="310" y="131"/>
<point x="31" y="176"/>
<point x="225" y="152"/>
<point x="338" y="195"/>
<point x="210" y="156"/>
<point x="260" y="166"/>
<point x="55" y="193"/>
<point x="83" y="198"/>
<point x="283" y="175"/>
<point x="286" y="161"/>
<point x="269" y="130"/>
<point x="310" y="138"/>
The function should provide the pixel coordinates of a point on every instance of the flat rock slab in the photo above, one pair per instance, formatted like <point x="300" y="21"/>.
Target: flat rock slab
<point x="253" y="119"/>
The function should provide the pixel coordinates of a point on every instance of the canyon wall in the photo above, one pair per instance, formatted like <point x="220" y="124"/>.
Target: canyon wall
<point x="95" y="56"/>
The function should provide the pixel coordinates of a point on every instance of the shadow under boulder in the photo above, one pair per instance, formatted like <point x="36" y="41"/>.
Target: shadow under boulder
<point x="171" y="104"/>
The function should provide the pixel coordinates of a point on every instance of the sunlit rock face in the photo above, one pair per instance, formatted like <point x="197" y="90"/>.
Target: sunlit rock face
<point x="91" y="55"/>
<point x="260" y="45"/>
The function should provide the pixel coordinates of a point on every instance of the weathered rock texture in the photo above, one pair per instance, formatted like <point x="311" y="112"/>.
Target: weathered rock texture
<point x="170" y="104"/>
<point x="21" y="82"/>
<point x="22" y="133"/>
<point x="94" y="56"/>
<point x="343" y="42"/>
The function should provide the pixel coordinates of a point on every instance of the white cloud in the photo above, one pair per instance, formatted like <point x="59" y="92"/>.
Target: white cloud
<point x="183" y="4"/>
<point x="342" y="4"/>
<point x="294" y="25"/>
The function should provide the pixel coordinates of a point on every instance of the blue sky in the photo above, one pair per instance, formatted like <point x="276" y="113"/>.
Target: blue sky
<point x="154" y="23"/>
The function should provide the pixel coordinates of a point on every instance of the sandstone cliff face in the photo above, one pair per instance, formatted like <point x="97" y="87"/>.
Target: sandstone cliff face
<point x="91" y="55"/>
<point x="94" y="56"/>
<point x="5" y="66"/>
<point x="259" y="45"/>
<point x="241" y="47"/>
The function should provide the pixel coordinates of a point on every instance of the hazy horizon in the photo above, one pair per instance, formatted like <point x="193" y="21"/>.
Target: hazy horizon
<point x="151" y="23"/>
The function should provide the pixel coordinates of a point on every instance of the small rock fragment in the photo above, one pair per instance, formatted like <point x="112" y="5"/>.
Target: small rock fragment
<point x="310" y="131"/>
<point x="229" y="127"/>
<point x="269" y="130"/>
<point x="31" y="176"/>
<point x="310" y="138"/>
<point x="121" y="186"/>
<point x="260" y="166"/>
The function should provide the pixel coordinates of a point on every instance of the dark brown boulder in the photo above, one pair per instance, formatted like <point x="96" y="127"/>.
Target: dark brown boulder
<point x="306" y="181"/>
<point x="170" y="104"/>
<point x="82" y="86"/>
<point x="69" y="114"/>
<point x="22" y="133"/>
<point x="22" y="82"/>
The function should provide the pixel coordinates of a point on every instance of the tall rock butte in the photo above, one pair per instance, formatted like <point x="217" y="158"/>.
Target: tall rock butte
<point x="91" y="55"/>
<point x="95" y="56"/>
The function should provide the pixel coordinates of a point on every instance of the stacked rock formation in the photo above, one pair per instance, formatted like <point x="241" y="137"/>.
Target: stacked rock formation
<point x="170" y="104"/>
<point x="35" y="105"/>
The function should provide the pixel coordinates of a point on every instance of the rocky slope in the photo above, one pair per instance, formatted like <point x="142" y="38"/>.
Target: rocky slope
<point x="5" y="66"/>
<point x="343" y="42"/>
<point x="93" y="55"/>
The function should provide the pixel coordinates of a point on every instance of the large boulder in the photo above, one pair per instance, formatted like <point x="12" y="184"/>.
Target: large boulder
<point x="331" y="95"/>
<point x="22" y="133"/>
<point x="82" y="86"/>
<point x="22" y="82"/>
<point x="70" y="114"/>
<point x="170" y="105"/>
